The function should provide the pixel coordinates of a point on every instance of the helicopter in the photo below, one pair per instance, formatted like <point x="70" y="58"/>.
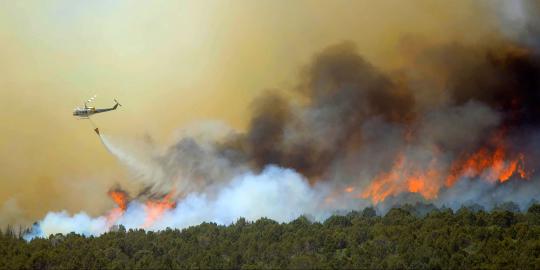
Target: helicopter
<point x="87" y="111"/>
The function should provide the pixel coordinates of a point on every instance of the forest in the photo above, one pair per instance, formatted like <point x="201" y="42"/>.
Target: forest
<point x="412" y="236"/>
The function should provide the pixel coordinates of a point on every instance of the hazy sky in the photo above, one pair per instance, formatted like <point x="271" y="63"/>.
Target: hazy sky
<point x="171" y="64"/>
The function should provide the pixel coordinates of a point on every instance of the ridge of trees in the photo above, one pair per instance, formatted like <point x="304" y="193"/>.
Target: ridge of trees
<point x="419" y="237"/>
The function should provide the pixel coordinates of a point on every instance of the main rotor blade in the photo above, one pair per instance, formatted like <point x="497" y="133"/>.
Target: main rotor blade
<point x="91" y="99"/>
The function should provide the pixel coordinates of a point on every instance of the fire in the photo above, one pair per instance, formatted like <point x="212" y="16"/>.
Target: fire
<point x="416" y="184"/>
<point x="121" y="199"/>
<point x="155" y="209"/>
<point x="386" y="183"/>
<point x="492" y="162"/>
<point x="403" y="177"/>
<point x="491" y="165"/>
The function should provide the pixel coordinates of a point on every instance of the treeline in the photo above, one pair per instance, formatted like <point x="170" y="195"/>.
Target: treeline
<point x="407" y="237"/>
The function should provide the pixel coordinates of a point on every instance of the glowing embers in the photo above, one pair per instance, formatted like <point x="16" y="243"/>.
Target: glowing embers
<point x="493" y="163"/>
<point x="402" y="177"/>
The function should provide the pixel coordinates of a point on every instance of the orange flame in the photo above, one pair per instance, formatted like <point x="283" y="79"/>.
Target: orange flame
<point x="155" y="209"/>
<point x="491" y="165"/>
<point x="121" y="199"/>
<point x="386" y="183"/>
<point x="404" y="177"/>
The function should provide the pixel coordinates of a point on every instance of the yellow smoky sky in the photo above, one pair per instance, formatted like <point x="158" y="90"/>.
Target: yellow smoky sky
<point x="171" y="64"/>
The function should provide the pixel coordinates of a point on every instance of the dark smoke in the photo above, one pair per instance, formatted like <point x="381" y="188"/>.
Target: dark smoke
<point x="351" y="120"/>
<point x="348" y="120"/>
<point x="342" y="91"/>
<point x="506" y="78"/>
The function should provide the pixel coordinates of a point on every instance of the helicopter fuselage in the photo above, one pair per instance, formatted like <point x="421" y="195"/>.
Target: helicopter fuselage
<point x="88" y="111"/>
<point x="84" y="112"/>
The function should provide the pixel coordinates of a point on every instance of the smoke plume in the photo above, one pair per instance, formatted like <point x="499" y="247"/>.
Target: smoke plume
<point x="456" y="124"/>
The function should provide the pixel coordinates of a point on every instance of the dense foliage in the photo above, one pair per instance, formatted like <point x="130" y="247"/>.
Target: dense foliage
<point x="402" y="238"/>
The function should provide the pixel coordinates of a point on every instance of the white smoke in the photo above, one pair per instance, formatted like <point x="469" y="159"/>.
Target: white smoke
<point x="62" y="222"/>
<point x="276" y="193"/>
<point x="280" y="194"/>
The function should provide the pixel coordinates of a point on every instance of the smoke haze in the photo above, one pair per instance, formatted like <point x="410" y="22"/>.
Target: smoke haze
<point x="404" y="109"/>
